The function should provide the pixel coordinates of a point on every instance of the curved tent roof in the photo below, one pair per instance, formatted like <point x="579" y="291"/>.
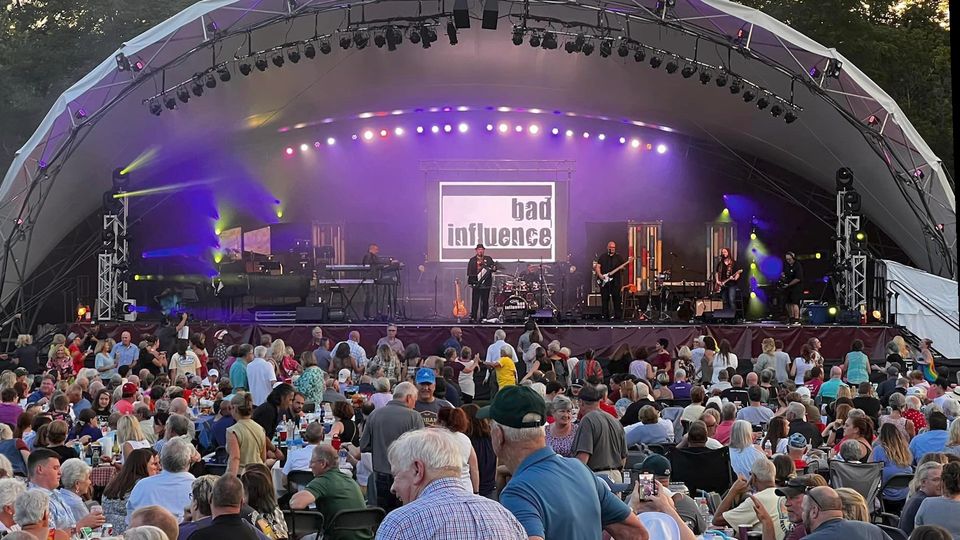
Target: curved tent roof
<point x="66" y="163"/>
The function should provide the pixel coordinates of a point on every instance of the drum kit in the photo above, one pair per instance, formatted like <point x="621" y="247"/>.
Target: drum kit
<point x="527" y="290"/>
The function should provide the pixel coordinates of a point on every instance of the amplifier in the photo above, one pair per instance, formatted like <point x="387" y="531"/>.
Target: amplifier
<point x="593" y="300"/>
<point x="707" y="304"/>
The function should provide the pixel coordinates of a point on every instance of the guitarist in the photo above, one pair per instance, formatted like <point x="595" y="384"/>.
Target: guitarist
<point x="726" y="277"/>
<point x="611" y="290"/>
<point x="480" y="270"/>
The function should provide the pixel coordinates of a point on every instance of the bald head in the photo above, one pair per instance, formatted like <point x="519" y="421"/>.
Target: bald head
<point x="157" y="516"/>
<point x="752" y="379"/>
<point x="826" y="498"/>
<point x="355" y="336"/>
<point x="836" y="372"/>
<point x="178" y="406"/>
<point x="737" y="381"/>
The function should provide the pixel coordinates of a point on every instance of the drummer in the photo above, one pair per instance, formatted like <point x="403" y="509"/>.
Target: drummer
<point x="531" y="275"/>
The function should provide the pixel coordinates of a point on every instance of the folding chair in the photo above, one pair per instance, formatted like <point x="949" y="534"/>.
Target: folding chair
<point x="864" y="478"/>
<point x="635" y="458"/>
<point x="366" y="519"/>
<point x="297" y="480"/>
<point x="663" y="449"/>
<point x="893" y="532"/>
<point x="301" y="523"/>
<point x="897" y="481"/>
<point x="673" y="414"/>
<point x="702" y="469"/>
<point x="216" y="469"/>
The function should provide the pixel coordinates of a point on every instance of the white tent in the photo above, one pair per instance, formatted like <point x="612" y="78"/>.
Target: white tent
<point x="66" y="162"/>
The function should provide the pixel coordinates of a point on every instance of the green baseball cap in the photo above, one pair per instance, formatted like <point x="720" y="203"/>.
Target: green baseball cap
<point x="516" y="407"/>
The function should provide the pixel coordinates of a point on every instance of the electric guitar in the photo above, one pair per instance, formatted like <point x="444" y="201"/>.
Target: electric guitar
<point x="459" y="308"/>
<point x="603" y="279"/>
<point x="734" y="277"/>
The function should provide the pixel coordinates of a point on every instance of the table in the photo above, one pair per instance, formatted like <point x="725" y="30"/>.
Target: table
<point x="101" y="475"/>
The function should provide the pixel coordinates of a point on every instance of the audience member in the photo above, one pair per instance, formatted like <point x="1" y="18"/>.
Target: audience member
<point x="385" y="425"/>
<point x="945" y="509"/>
<point x="171" y="487"/>
<point x="926" y="483"/>
<point x="600" y="442"/>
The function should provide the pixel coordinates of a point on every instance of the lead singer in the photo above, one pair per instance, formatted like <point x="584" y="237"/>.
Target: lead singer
<point x="480" y="271"/>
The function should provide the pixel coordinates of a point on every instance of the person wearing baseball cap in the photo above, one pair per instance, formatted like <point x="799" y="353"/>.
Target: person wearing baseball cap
<point x="797" y="446"/>
<point x="550" y="495"/>
<point x="128" y="396"/>
<point x="659" y="467"/>
<point x="480" y="269"/>
<point x="427" y="404"/>
<point x="600" y="442"/>
<point x="792" y="493"/>
<point x="212" y="377"/>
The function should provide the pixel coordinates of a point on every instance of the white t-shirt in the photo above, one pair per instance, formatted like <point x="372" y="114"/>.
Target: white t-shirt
<point x="184" y="332"/>
<point x="188" y="363"/>
<point x="802" y="368"/>
<point x="744" y="514"/>
<point x="465" y="447"/>
<point x="719" y="364"/>
<point x="260" y="379"/>
<point x="465" y="380"/>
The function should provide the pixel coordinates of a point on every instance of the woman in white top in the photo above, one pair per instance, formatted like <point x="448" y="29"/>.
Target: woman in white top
<point x="104" y="362"/>
<point x="456" y="421"/>
<point x="802" y="364"/>
<point x="723" y="360"/>
<point x="742" y="450"/>
<point x="465" y="377"/>
<point x="641" y="369"/>
<point x="130" y="436"/>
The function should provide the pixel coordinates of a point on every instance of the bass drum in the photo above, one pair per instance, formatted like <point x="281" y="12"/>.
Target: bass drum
<point x="515" y="303"/>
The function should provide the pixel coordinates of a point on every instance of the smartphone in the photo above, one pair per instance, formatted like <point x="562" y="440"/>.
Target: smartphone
<point x="646" y="486"/>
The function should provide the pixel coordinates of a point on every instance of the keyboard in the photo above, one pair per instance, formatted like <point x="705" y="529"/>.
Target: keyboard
<point x="683" y="284"/>
<point x="349" y="281"/>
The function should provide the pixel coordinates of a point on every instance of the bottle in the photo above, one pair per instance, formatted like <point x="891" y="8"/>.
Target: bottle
<point x="343" y="458"/>
<point x="282" y="431"/>
<point x="116" y="448"/>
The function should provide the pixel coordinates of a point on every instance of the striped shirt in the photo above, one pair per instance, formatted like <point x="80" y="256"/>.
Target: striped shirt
<point x="446" y="510"/>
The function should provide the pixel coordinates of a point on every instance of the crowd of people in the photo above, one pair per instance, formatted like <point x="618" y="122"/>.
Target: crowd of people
<point x="175" y="437"/>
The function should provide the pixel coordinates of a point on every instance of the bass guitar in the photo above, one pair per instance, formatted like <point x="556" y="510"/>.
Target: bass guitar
<point x="722" y="284"/>
<point x="459" y="308"/>
<point x="603" y="279"/>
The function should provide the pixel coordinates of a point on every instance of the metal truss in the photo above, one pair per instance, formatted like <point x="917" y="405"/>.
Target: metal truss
<point x="113" y="262"/>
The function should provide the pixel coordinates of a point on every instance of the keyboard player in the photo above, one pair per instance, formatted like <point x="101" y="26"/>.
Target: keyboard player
<point x="371" y="292"/>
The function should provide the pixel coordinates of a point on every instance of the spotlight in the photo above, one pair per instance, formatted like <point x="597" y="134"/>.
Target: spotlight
<point x="503" y="128"/>
<point x="721" y="79"/>
<point x="245" y="68"/>
<point x="705" y="77"/>
<point x="293" y="55"/>
<point x="606" y="48"/>
<point x="570" y="47"/>
<point x="123" y="63"/>
<point x="672" y="66"/>
<point x="749" y="95"/>
<point x="360" y="40"/>
<point x="379" y="40"/>
<point x="325" y="47"/>
<point x="170" y="102"/>
<point x="655" y="61"/>
<point x="419" y="129"/>
<point x="814" y="72"/>
<point x="844" y="178"/>
<point x="428" y="34"/>
<point x="918" y="174"/>
<point x="344" y="42"/>
<point x="309" y="51"/>
<point x="688" y="71"/>
<point x="211" y="81"/>
<point x="860" y="236"/>
<point x="534" y="129"/>
<point x="489" y="127"/>
<point x="639" y="55"/>
<point x="763" y="102"/>
<point x="415" y="36"/>
<point x="462" y="128"/>
<point x="735" y="87"/>
<point x="832" y="311"/>
<point x="555" y="131"/>
<point x="623" y="50"/>
<point x="197" y="88"/>
<point x="587" y="48"/>
<point x="434" y="129"/>
<point x="833" y="68"/>
<point x="518" y="36"/>
<point x="394" y="37"/>
<point x="578" y="42"/>
<point x="549" y="41"/>
<point x="534" y="39"/>
<point x="873" y="121"/>
<point x="183" y="94"/>
<point x="261" y="63"/>
<point x="278" y="59"/>
<point x="224" y="73"/>
<point x="776" y="110"/>
<point x="452" y="33"/>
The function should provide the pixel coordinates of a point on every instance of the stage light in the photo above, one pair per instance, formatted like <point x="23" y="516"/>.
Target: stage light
<point x="354" y="137"/>
<point x="721" y="79"/>
<point x="725" y="212"/>
<point x="261" y="63"/>
<point x="623" y="50"/>
<point x="518" y="128"/>
<point x="196" y="88"/>
<point x="360" y="40"/>
<point x="245" y="68"/>
<point x="639" y="55"/>
<point x="447" y="128"/>
<point x="549" y="41"/>
<point x="452" y="33"/>
<point x="503" y="128"/>
<point x="383" y="133"/>
<point x="534" y="39"/>
<point x="310" y="51"/>
<point x="753" y="236"/>
<point x="394" y="38"/>
<point x="655" y="61"/>
<point x="661" y="149"/>
<point x="435" y="129"/>
<point x="345" y="42"/>
<point x="832" y="311"/>
<point x="790" y="117"/>
<point x="570" y="47"/>
<point x="293" y="55"/>
<point x="137" y="277"/>
<point x="367" y="135"/>
<point x="123" y="63"/>
<point x="398" y="131"/>
<point x="606" y="48"/>
<point x="534" y="129"/>
<point x="587" y="48"/>
<point x="844" y="178"/>
<point x="873" y="121"/>
<point x="462" y="128"/>
<point x="833" y="68"/>
<point x="183" y="94"/>
<point x="277" y="59"/>
<point x="748" y="95"/>
<point x="623" y="140"/>
<point x="379" y="40"/>
<point x="877" y="315"/>
<point x="325" y="47"/>
<point x="753" y="295"/>
<point x="814" y="72"/>
<point x="705" y="76"/>
<point x="688" y="71"/>
<point x="316" y="144"/>
<point x="555" y="131"/>
<point x="753" y="264"/>
<point x="586" y="134"/>
<point x="672" y="66"/>
<point x="763" y="102"/>
<point x="289" y="151"/>
<point x="428" y="35"/>
<point x="81" y="311"/>
<point x="602" y="137"/>
<point x="224" y="74"/>
<point x="279" y="213"/>
<point x="817" y="255"/>
<point x="211" y="81"/>
<point x="860" y="236"/>
<point x="489" y="127"/>
<point x="419" y="129"/>
<point x="635" y="143"/>
<point x="304" y="147"/>
<point x="331" y="141"/>
<point x="735" y="86"/>
<point x="776" y="110"/>
<point x="170" y="102"/>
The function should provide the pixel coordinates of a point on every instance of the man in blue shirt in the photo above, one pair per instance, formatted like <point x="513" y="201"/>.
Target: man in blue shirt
<point x="455" y="341"/>
<point x="238" y="371"/>
<point x="125" y="353"/>
<point x="933" y="440"/>
<point x="551" y="496"/>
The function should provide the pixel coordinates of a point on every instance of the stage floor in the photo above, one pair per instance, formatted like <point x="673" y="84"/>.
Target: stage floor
<point x="603" y="338"/>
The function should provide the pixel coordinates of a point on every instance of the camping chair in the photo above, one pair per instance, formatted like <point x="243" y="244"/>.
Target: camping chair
<point x="635" y="458"/>
<point x="366" y="519"/>
<point x="663" y="449"/>
<point x="301" y="523"/>
<point x="893" y="532"/>
<point x="897" y="481"/>
<point x="298" y="480"/>
<point x="8" y="448"/>
<point x="702" y="469"/>
<point x="864" y="478"/>
<point x="673" y="414"/>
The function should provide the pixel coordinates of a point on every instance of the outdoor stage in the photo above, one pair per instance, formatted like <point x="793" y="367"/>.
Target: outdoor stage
<point x="744" y="338"/>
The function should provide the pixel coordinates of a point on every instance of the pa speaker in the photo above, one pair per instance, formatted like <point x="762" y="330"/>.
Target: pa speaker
<point x="720" y="316"/>
<point x="311" y="314"/>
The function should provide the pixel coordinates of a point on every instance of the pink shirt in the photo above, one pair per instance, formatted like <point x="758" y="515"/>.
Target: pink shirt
<point x="124" y="407"/>
<point x="723" y="431"/>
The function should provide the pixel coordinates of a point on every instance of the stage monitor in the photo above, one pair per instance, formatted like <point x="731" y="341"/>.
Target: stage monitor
<point x="514" y="220"/>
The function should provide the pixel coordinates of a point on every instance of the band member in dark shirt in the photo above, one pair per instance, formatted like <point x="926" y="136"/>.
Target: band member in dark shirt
<point x="480" y="271"/>
<point x="609" y="291"/>
<point x="370" y="292"/>
<point x="792" y="283"/>
<point x="726" y="276"/>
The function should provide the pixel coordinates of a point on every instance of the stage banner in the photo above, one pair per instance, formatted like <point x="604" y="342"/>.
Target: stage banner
<point x="513" y="220"/>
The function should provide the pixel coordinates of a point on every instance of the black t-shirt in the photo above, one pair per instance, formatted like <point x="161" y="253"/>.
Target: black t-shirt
<point x="145" y="361"/>
<point x="792" y="272"/>
<point x="724" y="271"/>
<point x="167" y="339"/>
<point x="870" y="405"/>
<point x="808" y="430"/>
<point x="227" y="526"/>
<point x="64" y="452"/>
<point x="608" y="262"/>
<point x="28" y="358"/>
<point x="268" y="417"/>
<point x="632" y="414"/>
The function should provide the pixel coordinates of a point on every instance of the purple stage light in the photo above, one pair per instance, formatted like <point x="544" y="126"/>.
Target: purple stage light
<point x="661" y="148"/>
<point x="367" y="135"/>
<point x="534" y="129"/>
<point x="602" y="137"/>
<point x="435" y="129"/>
<point x="398" y="131"/>
<point x="354" y="136"/>
<point x="316" y="144"/>
<point x="555" y="131"/>
<point x="586" y="134"/>
<point x="447" y="128"/>
<point x="419" y="129"/>
<point x="518" y="129"/>
<point x="569" y="133"/>
<point x="503" y="128"/>
<point x="623" y="140"/>
<point x="489" y="127"/>
<point x="330" y="141"/>
<point x="462" y="128"/>
<point x="289" y="151"/>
